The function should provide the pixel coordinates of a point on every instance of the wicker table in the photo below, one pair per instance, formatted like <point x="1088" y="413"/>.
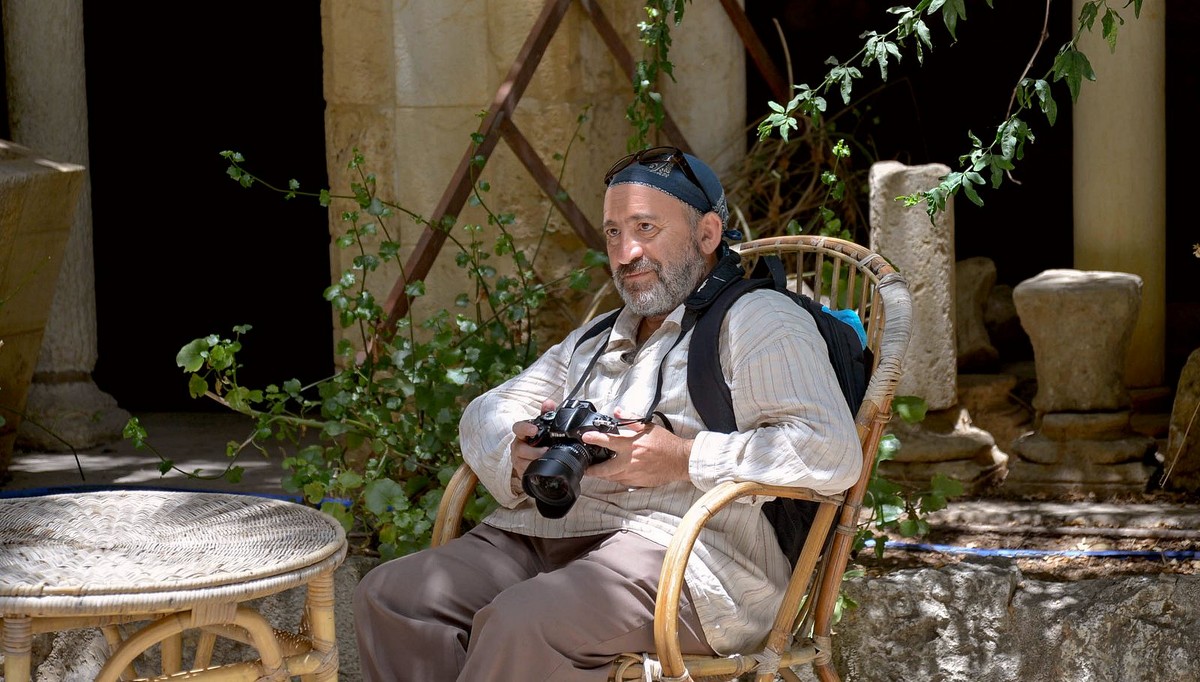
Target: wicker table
<point x="178" y="561"/>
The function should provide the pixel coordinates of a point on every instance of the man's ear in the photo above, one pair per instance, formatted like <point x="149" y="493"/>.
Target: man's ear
<point x="710" y="233"/>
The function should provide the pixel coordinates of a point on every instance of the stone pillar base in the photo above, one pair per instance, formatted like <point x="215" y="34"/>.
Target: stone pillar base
<point x="947" y="443"/>
<point x="989" y="399"/>
<point x="1083" y="452"/>
<point x="987" y="470"/>
<point x="75" y="414"/>
<point x="1026" y="477"/>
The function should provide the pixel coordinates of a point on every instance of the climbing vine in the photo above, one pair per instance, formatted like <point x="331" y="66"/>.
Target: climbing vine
<point x="646" y="110"/>
<point x="994" y="158"/>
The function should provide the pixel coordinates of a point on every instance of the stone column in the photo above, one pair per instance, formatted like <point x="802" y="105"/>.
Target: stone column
<point x="946" y="441"/>
<point x="43" y="46"/>
<point x="1119" y="172"/>
<point x="1080" y="324"/>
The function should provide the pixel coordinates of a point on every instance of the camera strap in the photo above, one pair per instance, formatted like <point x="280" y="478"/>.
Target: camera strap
<point x="725" y="273"/>
<point x="606" y="324"/>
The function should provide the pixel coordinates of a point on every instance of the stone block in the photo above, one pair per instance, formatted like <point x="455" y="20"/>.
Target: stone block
<point x="983" y="620"/>
<point x="442" y="58"/>
<point x="359" y="55"/>
<point x="924" y="253"/>
<point x="1042" y="449"/>
<point x="37" y="208"/>
<point x="991" y="401"/>
<point x="1065" y="426"/>
<point x="1182" y="463"/>
<point x="1080" y="324"/>
<point x="978" y="475"/>
<point x="943" y="436"/>
<point x="974" y="278"/>
<point x="1076" y="477"/>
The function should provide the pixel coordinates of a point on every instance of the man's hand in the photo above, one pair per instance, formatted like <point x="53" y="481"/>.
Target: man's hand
<point x="646" y="455"/>
<point x="524" y="454"/>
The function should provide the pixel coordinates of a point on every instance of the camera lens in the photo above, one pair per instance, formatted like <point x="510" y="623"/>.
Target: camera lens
<point x="553" y="479"/>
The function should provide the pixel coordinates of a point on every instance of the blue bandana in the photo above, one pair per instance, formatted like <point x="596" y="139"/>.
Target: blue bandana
<point x="668" y="178"/>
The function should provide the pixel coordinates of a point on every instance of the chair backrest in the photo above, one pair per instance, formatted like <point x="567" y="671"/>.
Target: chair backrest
<point x="845" y="275"/>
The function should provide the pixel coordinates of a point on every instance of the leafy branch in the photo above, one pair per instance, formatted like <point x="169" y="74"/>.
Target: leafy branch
<point x="997" y="157"/>
<point x="893" y="507"/>
<point x="646" y="109"/>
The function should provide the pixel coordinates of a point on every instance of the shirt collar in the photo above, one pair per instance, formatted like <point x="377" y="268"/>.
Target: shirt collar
<point x="624" y="332"/>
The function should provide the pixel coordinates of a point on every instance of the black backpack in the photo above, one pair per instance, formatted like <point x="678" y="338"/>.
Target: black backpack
<point x="706" y="308"/>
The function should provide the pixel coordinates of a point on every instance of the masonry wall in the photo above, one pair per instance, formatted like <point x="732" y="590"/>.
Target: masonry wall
<point x="406" y="82"/>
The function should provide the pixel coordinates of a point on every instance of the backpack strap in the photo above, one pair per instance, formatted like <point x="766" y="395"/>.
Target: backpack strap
<point x="706" y="382"/>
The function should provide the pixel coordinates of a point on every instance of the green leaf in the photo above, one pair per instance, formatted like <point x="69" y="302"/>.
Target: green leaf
<point x="191" y="356"/>
<point x="889" y="445"/>
<point x="948" y="487"/>
<point x="909" y="527"/>
<point x="380" y="494"/>
<point x="911" y="408"/>
<point x="1109" y="23"/>
<point x="340" y="513"/>
<point x="197" y="386"/>
<point x="350" y="480"/>
<point x="1074" y="66"/>
<point x="890" y="513"/>
<point x="952" y="11"/>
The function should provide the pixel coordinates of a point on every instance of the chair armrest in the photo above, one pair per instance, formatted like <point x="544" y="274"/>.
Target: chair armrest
<point x="461" y="487"/>
<point x="671" y="578"/>
<point x="459" y="490"/>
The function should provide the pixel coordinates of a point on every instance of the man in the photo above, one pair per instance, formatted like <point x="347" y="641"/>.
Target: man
<point x="524" y="596"/>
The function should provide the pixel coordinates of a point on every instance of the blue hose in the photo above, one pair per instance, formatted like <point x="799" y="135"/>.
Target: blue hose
<point x="1038" y="553"/>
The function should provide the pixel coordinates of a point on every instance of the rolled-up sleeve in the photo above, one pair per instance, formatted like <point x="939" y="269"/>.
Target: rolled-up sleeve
<point x="485" y="430"/>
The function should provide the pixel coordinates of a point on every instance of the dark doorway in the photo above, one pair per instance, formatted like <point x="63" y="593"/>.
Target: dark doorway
<point x="181" y="250"/>
<point x="923" y="114"/>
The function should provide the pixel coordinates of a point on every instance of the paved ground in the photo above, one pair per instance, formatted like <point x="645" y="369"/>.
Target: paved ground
<point x="194" y="441"/>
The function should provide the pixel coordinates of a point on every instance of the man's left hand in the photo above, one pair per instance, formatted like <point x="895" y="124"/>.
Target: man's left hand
<point x="645" y="455"/>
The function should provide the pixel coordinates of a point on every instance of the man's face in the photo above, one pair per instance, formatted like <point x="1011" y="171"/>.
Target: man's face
<point x="657" y="257"/>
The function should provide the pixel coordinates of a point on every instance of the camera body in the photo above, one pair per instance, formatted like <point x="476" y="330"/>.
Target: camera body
<point x="553" y="479"/>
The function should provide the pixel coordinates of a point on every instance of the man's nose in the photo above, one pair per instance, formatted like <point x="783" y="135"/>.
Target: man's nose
<point x="626" y="251"/>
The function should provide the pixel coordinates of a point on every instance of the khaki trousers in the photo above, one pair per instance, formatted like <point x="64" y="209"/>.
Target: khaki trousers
<point x="494" y="606"/>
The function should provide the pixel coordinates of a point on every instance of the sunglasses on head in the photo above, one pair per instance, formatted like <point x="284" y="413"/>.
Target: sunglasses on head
<point x="653" y="155"/>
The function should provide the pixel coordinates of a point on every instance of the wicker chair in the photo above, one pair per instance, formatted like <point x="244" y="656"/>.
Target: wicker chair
<point x="840" y="274"/>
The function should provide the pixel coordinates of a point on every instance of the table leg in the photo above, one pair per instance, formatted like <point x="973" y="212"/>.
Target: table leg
<point x="320" y="626"/>
<point x="172" y="654"/>
<point x="18" y="642"/>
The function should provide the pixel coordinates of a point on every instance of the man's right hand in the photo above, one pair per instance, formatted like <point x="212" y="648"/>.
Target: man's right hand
<point x="524" y="454"/>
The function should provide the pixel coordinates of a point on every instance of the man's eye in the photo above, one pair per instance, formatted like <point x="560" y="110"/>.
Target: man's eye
<point x="645" y="227"/>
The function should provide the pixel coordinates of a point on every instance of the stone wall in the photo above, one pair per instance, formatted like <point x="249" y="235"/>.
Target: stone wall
<point x="405" y="83"/>
<point x="977" y="621"/>
<point x="987" y="622"/>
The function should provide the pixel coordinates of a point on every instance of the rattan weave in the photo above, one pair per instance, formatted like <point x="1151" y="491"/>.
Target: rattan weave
<point x="187" y="559"/>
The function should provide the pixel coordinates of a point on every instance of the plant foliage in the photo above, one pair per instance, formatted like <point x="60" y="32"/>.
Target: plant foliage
<point x="376" y="442"/>
<point x="990" y="158"/>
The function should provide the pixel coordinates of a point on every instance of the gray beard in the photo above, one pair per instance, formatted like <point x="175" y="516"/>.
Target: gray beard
<point x="672" y="287"/>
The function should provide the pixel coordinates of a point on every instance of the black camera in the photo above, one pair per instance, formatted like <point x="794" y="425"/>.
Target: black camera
<point x="553" y="479"/>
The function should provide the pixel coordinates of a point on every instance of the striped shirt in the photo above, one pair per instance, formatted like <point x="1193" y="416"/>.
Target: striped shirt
<point x="794" y="430"/>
